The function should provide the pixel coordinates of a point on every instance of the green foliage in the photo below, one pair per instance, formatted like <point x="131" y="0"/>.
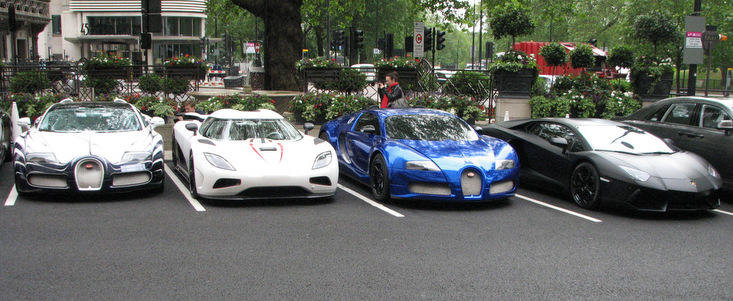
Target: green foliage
<point x="621" y="85"/>
<point x="549" y="106"/>
<point x="655" y="27"/>
<point x="311" y="106"/>
<point x="514" y="61"/>
<point x="150" y="83"/>
<point x="143" y="103"/>
<point x="350" y="81"/>
<point x="317" y="63"/>
<point x="175" y="86"/>
<point x="106" y="61"/>
<point x="30" y="105"/>
<point x="186" y="61"/>
<point x="102" y="85"/>
<point x="585" y="95"/>
<point x="554" y="54"/>
<point x="511" y="19"/>
<point x="347" y="104"/>
<point x="469" y="83"/>
<point x="397" y="62"/>
<point x="582" y="56"/>
<point x="163" y="109"/>
<point x="236" y="102"/>
<point x="539" y="87"/>
<point x="29" y="82"/>
<point x="649" y="67"/>
<point x="622" y="56"/>
<point x="462" y="106"/>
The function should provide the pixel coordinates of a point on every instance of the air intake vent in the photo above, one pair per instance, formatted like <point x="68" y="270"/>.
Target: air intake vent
<point x="89" y="175"/>
<point x="471" y="182"/>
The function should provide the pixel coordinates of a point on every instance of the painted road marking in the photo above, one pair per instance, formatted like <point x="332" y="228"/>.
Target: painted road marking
<point x="196" y="205"/>
<point x="370" y="202"/>
<point x="10" y="201"/>
<point x="592" y="219"/>
<point x="715" y="210"/>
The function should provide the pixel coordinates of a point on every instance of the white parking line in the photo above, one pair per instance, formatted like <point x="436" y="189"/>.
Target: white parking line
<point x="715" y="210"/>
<point x="10" y="201"/>
<point x="196" y="205"/>
<point x="370" y="202"/>
<point x="592" y="219"/>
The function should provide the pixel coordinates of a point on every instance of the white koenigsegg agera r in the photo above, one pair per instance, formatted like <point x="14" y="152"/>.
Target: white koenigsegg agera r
<point x="252" y="155"/>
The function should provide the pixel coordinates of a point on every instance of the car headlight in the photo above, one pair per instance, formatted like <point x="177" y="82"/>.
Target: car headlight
<point x="504" y="164"/>
<point x="41" y="158"/>
<point x="134" y="157"/>
<point x="218" y="161"/>
<point x="421" y="165"/>
<point x="322" y="160"/>
<point x="713" y="173"/>
<point x="635" y="173"/>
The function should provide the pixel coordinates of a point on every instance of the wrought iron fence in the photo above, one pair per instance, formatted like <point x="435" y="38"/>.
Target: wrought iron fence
<point x="68" y="78"/>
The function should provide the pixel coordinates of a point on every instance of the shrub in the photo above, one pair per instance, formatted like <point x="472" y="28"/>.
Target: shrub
<point x="469" y="83"/>
<point x="175" y="86"/>
<point x="163" y="109"/>
<point x="649" y="67"/>
<point x="350" y="81"/>
<point x="655" y="27"/>
<point x="311" y="106"/>
<point x="150" y="83"/>
<point x="621" y="56"/>
<point x="29" y="82"/>
<point x="549" y="106"/>
<point x="582" y="56"/>
<point x="539" y="87"/>
<point x="187" y="61"/>
<point x="514" y="61"/>
<point x="30" y="105"/>
<point x="102" y="85"/>
<point x="348" y="104"/>
<point x="318" y="62"/>
<point x="620" y="104"/>
<point x="462" y="106"/>
<point x="511" y="19"/>
<point x="554" y="54"/>
<point x="621" y="85"/>
<point x="236" y="102"/>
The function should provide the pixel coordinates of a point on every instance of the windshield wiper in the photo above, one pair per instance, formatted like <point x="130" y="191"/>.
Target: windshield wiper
<point x="615" y="151"/>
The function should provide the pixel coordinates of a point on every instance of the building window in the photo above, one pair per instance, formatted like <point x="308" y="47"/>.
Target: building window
<point x="56" y="24"/>
<point x="164" y="51"/>
<point x="182" y="26"/>
<point x="114" y="25"/>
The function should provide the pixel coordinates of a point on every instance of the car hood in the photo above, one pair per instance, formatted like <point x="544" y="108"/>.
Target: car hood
<point x="674" y="171"/>
<point x="256" y="154"/>
<point x="454" y="155"/>
<point x="68" y="146"/>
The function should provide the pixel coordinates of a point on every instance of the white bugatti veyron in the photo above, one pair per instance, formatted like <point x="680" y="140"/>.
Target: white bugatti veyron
<point x="252" y="155"/>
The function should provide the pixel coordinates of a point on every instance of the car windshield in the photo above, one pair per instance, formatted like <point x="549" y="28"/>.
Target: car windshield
<point x="428" y="128"/>
<point x="623" y="138"/>
<point x="243" y="129"/>
<point x="91" y="118"/>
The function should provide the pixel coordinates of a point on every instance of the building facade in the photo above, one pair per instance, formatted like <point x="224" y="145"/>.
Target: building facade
<point x="31" y="17"/>
<point x="86" y="28"/>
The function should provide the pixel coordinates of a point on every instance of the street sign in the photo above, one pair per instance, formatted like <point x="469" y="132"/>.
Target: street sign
<point x="376" y="51"/>
<point x="418" y="41"/>
<point x="693" y="52"/>
<point x="249" y="48"/>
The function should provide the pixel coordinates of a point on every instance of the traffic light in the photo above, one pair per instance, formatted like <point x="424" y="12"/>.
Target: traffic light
<point x="439" y="40"/>
<point x="357" y="40"/>
<point x="381" y="44"/>
<point x="338" y="40"/>
<point x="428" y="45"/>
<point x="389" y="45"/>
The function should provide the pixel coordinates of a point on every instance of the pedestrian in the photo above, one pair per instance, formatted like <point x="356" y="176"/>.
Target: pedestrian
<point x="189" y="106"/>
<point x="391" y="94"/>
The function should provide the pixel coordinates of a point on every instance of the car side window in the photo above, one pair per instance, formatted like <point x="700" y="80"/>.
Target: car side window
<point x="553" y="130"/>
<point x="680" y="113"/>
<point x="658" y="114"/>
<point x="711" y="116"/>
<point x="215" y="130"/>
<point x="366" y="121"/>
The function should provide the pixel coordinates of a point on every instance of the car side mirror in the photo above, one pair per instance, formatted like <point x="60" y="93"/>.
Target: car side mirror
<point x="369" y="129"/>
<point x="192" y="127"/>
<point x="156" y="122"/>
<point x="24" y="123"/>
<point x="559" y="142"/>
<point x="477" y="128"/>
<point x="726" y="125"/>
<point x="308" y="126"/>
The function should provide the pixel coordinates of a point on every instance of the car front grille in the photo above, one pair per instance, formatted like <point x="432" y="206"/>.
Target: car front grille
<point x="471" y="182"/>
<point x="89" y="174"/>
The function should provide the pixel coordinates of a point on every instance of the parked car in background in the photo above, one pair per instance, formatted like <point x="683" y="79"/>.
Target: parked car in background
<point x="241" y="155"/>
<point x="368" y="70"/>
<point x="700" y="125"/>
<point x="422" y="154"/>
<point x="89" y="147"/>
<point x="5" y="136"/>
<point x="601" y="161"/>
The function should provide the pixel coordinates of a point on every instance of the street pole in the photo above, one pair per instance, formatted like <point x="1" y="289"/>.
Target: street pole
<point x="692" y="78"/>
<point x="473" y="40"/>
<point x="328" y="30"/>
<point x="480" y="35"/>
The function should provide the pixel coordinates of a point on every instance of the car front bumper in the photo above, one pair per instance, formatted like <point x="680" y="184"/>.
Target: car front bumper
<point x="633" y="196"/>
<point x="495" y="184"/>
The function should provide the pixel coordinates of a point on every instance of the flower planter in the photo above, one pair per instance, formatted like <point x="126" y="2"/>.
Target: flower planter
<point x="649" y="87"/>
<point x="518" y="84"/>
<point x="407" y="77"/>
<point x="321" y="78"/>
<point x="119" y="72"/>
<point x="186" y="72"/>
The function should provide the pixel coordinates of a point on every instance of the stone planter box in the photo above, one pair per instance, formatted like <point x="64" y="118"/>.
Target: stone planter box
<point x="321" y="78"/>
<point x="515" y="84"/>
<point x="107" y="72"/>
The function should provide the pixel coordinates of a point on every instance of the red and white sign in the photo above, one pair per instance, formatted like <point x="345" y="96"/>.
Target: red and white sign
<point x="417" y="41"/>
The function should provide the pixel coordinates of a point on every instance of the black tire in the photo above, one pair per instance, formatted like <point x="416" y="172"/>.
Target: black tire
<point x="192" y="179"/>
<point x="21" y="187"/>
<point x="174" y="154"/>
<point x="158" y="189"/>
<point x="585" y="186"/>
<point x="379" y="178"/>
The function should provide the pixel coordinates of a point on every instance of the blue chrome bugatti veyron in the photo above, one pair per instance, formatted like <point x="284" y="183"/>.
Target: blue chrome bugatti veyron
<point x="422" y="154"/>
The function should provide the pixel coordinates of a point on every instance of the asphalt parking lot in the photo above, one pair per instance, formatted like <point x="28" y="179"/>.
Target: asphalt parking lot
<point x="536" y="245"/>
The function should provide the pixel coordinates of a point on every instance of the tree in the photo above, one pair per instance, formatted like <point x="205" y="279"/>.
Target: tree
<point x="582" y="56"/>
<point x="283" y="39"/>
<point x="554" y="55"/>
<point x="621" y="56"/>
<point x="511" y="19"/>
<point x="655" y="27"/>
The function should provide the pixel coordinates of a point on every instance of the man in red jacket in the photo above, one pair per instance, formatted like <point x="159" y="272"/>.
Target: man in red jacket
<point x="391" y="94"/>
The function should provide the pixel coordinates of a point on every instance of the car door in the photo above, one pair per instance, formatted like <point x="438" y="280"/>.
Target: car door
<point x="680" y="123"/>
<point x="545" y="158"/>
<point x="709" y="141"/>
<point x="361" y="139"/>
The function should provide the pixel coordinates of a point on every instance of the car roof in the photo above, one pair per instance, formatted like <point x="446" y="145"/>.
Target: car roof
<point x="726" y="102"/>
<point x="571" y="122"/>
<point x="234" y="114"/>
<point x="91" y="104"/>
<point x="384" y="113"/>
